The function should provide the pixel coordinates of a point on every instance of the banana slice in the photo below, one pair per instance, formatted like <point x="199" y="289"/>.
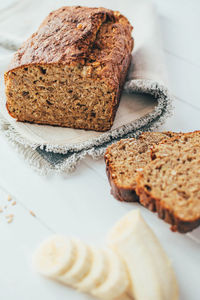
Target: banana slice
<point x="151" y="274"/>
<point x="55" y="256"/>
<point x="98" y="271"/>
<point x="116" y="282"/>
<point x="81" y="266"/>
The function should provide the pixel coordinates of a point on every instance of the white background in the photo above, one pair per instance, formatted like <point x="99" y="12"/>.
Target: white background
<point x="80" y="204"/>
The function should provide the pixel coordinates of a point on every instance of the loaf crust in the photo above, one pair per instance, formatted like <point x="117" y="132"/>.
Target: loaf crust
<point x="69" y="36"/>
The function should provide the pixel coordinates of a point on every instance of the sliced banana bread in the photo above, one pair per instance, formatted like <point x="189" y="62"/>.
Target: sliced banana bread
<point x="123" y="160"/>
<point x="170" y="184"/>
<point x="71" y="71"/>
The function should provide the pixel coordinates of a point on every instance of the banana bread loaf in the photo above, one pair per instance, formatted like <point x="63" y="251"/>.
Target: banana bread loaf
<point x="72" y="70"/>
<point x="170" y="184"/>
<point x="123" y="160"/>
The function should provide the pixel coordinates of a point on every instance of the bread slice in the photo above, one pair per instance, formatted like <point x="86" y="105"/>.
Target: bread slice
<point x="71" y="71"/>
<point x="123" y="160"/>
<point x="170" y="184"/>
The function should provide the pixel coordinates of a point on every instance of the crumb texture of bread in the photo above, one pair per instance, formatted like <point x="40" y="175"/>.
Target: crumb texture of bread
<point x="71" y="71"/>
<point x="170" y="183"/>
<point x="125" y="158"/>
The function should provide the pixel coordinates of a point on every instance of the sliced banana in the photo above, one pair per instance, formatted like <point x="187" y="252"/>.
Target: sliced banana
<point x="55" y="256"/>
<point x="81" y="266"/>
<point x="135" y="266"/>
<point x="98" y="271"/>
<point x="150" y="271"/>
<point x="116" y="282"/>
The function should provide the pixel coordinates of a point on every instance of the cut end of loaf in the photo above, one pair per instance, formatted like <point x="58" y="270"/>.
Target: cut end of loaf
<point x="60" y="95"/>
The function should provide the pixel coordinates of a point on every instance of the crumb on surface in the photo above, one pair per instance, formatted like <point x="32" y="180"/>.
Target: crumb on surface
<point x="32" y="213"/>
<point x="13" y="203"/>
<point x="10" y="220"/>
<point x="9" y="198"/>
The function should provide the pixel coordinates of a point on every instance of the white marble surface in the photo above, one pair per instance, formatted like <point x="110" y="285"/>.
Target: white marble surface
<point x="80" y="204"/>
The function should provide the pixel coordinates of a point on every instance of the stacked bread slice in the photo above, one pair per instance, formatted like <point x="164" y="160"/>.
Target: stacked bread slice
<point x="125" y="158"/>
<point x="162" y="171"/>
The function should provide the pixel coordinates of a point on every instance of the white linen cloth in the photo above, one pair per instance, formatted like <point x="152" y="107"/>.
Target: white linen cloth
<point x="144" y="106"/>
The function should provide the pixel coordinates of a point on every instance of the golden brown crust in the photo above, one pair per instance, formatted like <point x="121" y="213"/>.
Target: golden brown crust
<point x="68" y="36"/>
